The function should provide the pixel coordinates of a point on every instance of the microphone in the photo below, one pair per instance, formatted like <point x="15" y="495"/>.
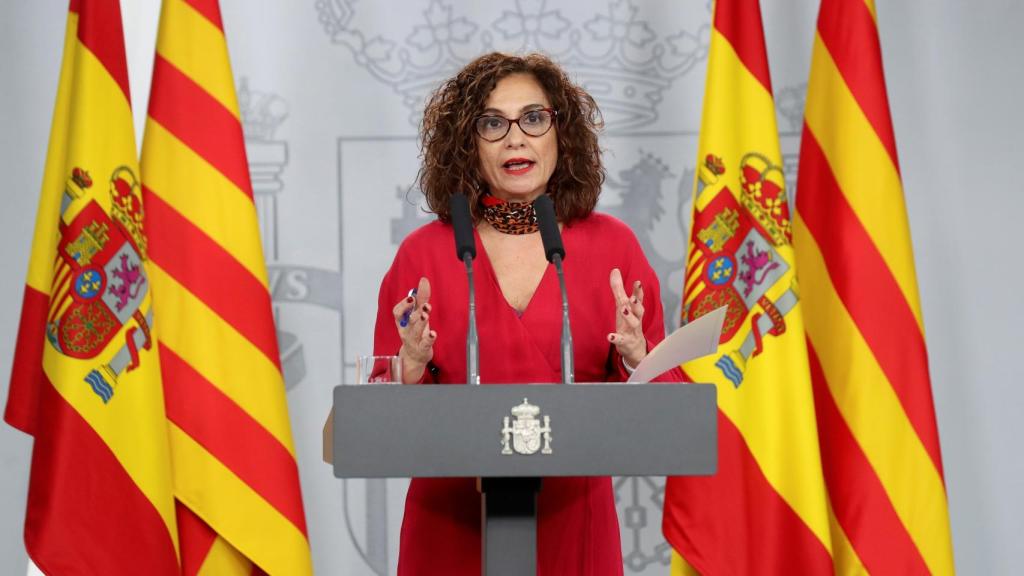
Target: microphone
<point x="463" y="224"/>
<point x="554" y="251"/>
<point x="465" y="251"/>
<point x="549" y="234"/>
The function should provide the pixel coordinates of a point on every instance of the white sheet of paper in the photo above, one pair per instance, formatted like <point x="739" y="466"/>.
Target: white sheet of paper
<point x="696" y="339"/>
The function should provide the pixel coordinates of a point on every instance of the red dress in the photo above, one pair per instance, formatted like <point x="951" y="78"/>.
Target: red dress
<point x="577" y="527"/>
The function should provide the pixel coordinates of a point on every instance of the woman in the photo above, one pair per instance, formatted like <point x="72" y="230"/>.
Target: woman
<point x="505" y="130"/>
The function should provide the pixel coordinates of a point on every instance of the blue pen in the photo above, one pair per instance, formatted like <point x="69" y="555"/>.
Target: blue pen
<point x="405" y="316"/>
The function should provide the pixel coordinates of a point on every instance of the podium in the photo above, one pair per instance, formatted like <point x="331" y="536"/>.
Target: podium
<point x="512" y="436"/>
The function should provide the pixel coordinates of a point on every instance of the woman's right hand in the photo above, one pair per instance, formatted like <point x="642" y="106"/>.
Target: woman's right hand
<point x="417" y="338"/>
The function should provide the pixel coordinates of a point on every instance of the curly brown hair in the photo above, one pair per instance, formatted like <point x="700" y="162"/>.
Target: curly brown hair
<point x="449" y="144"/>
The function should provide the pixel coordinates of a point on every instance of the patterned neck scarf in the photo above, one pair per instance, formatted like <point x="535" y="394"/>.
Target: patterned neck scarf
<point x="509" y="217"/>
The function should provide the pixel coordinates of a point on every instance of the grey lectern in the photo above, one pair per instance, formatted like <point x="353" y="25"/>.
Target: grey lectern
<point x="512" y="436"/>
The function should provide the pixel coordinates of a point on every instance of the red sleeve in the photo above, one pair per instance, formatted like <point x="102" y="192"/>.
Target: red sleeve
<point x="385" y="336"/>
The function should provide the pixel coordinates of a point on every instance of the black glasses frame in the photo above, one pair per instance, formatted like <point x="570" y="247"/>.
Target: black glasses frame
<point x="511" y="121"/>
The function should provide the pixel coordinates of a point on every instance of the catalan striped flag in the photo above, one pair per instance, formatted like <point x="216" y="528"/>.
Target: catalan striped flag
<point x="86" y="378"/>
<point x="869" y="363"/>
<point x="765" y="511"/>
<point x="235" y="473"/>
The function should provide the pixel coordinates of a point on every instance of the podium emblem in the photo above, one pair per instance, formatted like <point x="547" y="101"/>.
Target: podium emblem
<point x="525" y="435"/>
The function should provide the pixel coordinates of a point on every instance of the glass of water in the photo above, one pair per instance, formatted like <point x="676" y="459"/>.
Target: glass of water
<point x="378" y="370"/>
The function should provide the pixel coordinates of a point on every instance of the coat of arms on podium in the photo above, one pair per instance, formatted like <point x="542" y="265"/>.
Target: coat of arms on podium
<point x="525" y="435"/>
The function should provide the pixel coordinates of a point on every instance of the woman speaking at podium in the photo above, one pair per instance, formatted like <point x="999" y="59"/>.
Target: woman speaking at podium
<point x="505" y="130"/>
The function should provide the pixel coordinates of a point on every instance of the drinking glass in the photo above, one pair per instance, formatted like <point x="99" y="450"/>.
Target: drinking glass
<point x="378" y="370"/>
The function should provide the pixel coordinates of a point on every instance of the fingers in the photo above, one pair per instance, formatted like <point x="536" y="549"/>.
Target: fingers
<point x="406" y="309"/>
<point x="422" y="292"/>
<point x="618" y="290"/>
<point x="402" y="311"/>
<point x="418" y="333"/>
<point x="412" y="318"/>
<point x="638" y="292"/>
<point x="427" y="336"/>
<point x="626" y="343"/>
<point x="637" y="311"/>
<point x="628" y="319"/>
<point x="421" y="328"/>
<point x="628" y="328"/>
<point x="617" y="339"/>
<point x="634" y="302"/>
<point x="417" y="339"/>
<point x="628" y="338"/>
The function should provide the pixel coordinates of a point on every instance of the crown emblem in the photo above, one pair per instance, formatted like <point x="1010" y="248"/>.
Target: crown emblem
<point x="714" y="164"/>
<point x="525" y="410"/>
<point x="126" y="205"/>
<point x="763" y="194"/>
<point x="708" y="173"/>
<point x="617" y="56"/>
<point x="262" y="113"/>
<point x="791" y="102"/>
<point x="79" y="182"/>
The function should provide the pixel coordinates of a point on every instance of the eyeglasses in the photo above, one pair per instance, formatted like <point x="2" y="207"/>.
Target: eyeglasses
<point x="533" y="123"/>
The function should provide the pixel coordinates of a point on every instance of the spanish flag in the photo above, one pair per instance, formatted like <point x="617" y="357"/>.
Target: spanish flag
<point x="86" y="378"/>
<point x="869" y="363"/>
<point x="235" y="475"/>
<point x="765" y="511"/>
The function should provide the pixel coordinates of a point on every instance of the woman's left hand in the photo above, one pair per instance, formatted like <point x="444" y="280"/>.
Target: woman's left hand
<point x="628" y="337"/>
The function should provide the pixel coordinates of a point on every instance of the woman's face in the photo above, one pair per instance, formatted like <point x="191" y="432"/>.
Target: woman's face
<point x="518" y="166"/>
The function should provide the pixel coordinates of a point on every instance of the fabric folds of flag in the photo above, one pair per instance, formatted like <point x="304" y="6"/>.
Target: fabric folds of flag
<point x="235" y="472"/>
<point x="86" y="377"/>
<point x="869" y="364"/>
<point x="765" y="511"/>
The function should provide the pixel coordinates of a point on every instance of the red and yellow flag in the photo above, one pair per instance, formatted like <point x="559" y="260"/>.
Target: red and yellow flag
<point x="235" y="473"/>
<point x="869" y="363"/>
<point x="765" y="511"/>
<point x="86" y="378"/>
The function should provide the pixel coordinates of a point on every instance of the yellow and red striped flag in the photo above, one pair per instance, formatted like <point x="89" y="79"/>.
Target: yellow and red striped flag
<point x="235" y="474"/>
<point x="869" y="363"/>
<point x="86" y="378"/>
<point x="765" y="511"/>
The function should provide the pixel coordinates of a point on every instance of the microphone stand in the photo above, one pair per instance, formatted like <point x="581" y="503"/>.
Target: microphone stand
<point x="555" y="252"/>
<point x="465" y="250"/>
<point x="472" y="340"/>
<point x="568" y="371"/>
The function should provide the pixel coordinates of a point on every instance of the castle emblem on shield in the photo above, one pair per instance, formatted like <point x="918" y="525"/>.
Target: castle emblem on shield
<point x="738" y="260"/>
<point x="526" y="434"/>
<point x="99" y="280"/>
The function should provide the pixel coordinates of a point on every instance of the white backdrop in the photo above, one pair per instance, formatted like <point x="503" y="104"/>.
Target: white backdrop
<point x="330" y="92"/>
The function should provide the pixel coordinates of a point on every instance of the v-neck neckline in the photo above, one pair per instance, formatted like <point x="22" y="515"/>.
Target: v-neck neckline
<point x="492" y="275"/>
